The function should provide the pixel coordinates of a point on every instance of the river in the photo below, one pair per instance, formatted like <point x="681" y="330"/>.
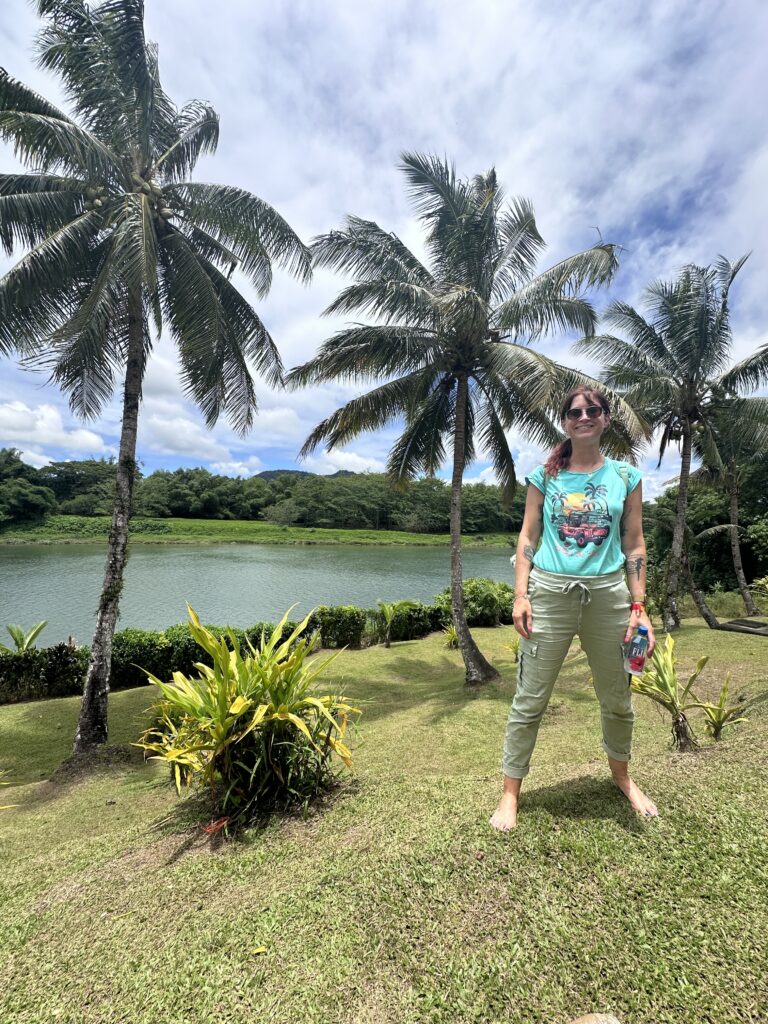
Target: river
<point x="227" y="584"/>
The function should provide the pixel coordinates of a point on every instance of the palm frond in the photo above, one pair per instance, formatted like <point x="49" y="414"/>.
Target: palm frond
<point x="748" y="374"/>
<point x="494" y="440"/>
<point x="46" y="139"/>
<point x="247" y="225"/>
<point x="519" y="247"/>
<point x="364" y="352"/>
<point x="27" y="219"/>
<point x="36" y="293"/>
<point x="369" y="253"/>
<point x="198" y="131"/>
<point x="607" y="348"/>
<point x="421" y="445"/>
<point x="368" y="412"/>
<point x="400" y="300"/>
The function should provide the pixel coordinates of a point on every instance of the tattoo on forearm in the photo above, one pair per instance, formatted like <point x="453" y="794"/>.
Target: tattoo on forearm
<point x="529" y="552"/>
<point x="635" y="565"/>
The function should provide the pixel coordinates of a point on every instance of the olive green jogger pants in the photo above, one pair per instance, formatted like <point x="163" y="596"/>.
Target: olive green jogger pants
<point x="596" y="608"/>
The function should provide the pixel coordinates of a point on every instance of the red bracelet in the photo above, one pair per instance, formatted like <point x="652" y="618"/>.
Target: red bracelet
<point x="637" y="606"/>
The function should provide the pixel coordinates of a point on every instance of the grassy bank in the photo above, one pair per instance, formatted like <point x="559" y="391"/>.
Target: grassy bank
<point x="74" y="529"/>
<point x="397" y="903"/>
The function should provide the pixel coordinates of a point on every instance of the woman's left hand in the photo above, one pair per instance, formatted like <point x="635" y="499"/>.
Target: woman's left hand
<point x="640" y="618"/>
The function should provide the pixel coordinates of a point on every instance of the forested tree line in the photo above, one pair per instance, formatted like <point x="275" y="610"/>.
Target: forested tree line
<point x="367" y="501"/>
<point x="342" y="501"/>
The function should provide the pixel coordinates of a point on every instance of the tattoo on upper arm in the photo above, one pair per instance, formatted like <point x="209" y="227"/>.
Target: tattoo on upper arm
<point x="541" y="512"/>
<point x="635" y="564"/>
<point x="529" y="552"/>
<point x="622" y="528"/>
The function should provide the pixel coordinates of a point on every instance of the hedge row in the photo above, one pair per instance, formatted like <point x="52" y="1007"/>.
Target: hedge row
<point x="59" y="671"/>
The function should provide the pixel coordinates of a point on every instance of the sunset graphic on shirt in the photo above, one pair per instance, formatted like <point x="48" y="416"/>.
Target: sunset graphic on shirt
<point x="581" y="517"/>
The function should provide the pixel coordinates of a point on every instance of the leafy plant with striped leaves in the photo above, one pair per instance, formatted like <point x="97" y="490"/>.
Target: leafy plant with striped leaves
<point x="250" y="729"/>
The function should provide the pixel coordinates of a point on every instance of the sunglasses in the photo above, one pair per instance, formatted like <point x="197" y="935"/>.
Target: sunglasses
<point x="592" y="412"/>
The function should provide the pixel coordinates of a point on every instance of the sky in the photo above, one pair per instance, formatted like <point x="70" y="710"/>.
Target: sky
<point x="640" y="120"/>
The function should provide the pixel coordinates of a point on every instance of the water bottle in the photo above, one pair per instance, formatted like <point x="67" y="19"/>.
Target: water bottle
<point x="634" y="660"/>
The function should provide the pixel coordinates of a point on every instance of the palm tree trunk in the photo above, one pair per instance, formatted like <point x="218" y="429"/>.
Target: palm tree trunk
<point x="738" y="567"/>
<point x="478" y="669"/>
<point x="92" y="725"/>
<point x="671" y="616"/>
<point x="698" y="598"/>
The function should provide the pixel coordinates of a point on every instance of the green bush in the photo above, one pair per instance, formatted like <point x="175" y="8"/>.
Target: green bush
<point x="486" y="602"/>
<point x="340" y="625"/>
<point x="409" y="623"/>
<point x="251" y="730"/>
<point x="57" y="671"/>
<point x="137" y="651"/>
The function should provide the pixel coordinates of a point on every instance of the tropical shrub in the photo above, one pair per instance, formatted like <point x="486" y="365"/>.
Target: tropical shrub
<point x="486" y="602"/>
<point x="339" y="626"/>
<point x="719" y="715"/>
<point x="249" y="729"/>
<point x="136" y="652"/>
<point x="661" y="683"/>
<point x="56" y="671"/>
<point x="23" y="641"/>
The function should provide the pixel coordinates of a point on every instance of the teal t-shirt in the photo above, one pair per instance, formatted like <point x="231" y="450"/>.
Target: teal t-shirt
<point x="582" y="512"/>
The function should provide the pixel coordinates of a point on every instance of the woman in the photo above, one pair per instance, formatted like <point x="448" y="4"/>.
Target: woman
<point x="587" y="511"/>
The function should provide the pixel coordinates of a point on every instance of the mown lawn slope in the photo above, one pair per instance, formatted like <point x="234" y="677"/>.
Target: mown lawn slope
<point x="397" y="903"/>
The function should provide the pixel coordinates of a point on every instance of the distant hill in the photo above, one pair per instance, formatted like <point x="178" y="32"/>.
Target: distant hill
<point x="273" y="474"/>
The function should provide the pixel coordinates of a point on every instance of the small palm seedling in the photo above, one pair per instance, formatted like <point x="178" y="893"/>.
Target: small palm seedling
<point x="389" y="610"/>
<point x="250" y="730"/>
<point x="23" y="641"/>
<point x="451" y="636"/>
<point x="719" y="715"/>
<point x="514" y="647"/>
<point x="662" y="684"/>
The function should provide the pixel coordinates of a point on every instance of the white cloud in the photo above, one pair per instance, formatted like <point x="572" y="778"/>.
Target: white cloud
<point x="22" y="424"/>
<point x="36" y="459"/>
<point x="332" y="462"/>
<point x="244" y="467"/>
<point x="174" y="433"/>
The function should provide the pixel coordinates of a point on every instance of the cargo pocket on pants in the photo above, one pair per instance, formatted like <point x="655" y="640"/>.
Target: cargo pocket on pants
<point x="526" y="665"/>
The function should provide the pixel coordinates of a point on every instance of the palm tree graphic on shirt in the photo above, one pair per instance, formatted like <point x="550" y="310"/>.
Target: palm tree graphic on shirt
<point x="582" y="516"/>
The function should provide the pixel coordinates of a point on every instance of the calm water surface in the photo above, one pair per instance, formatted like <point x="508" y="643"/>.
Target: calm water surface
<point x="225" y="583"/>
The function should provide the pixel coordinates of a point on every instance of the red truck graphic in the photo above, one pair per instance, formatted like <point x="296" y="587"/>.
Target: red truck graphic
<point x="583" y="526"/>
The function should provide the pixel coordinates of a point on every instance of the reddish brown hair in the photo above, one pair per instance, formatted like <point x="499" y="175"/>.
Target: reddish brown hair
<point x="560" y="457"/>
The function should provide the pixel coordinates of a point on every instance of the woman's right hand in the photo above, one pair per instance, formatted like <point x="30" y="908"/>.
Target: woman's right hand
<point x="522" y="616"/>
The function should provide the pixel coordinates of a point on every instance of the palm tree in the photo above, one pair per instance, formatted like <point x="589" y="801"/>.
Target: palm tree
<point x="118" y="239"/>
<point x="448" y="345"/>
<point x="740" y="427"/>
<point x="673" y="368"/>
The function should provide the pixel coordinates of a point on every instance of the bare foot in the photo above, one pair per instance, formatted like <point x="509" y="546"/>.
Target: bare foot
<point x="505" y="816"/>
<point x="640" y="802"/>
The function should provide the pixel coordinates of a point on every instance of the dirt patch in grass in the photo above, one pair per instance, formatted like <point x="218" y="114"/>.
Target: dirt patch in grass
<point x="116" y="757"/>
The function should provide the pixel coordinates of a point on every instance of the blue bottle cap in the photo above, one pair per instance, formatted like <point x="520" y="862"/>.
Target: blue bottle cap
<point x="642" y="630"/>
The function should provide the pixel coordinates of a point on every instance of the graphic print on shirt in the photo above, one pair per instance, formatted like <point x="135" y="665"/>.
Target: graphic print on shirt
<point x="581" y="517"/>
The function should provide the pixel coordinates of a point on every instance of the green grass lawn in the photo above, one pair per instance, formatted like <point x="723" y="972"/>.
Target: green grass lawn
<point x="397" y="903"/>
<point x="74" y="529"/>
